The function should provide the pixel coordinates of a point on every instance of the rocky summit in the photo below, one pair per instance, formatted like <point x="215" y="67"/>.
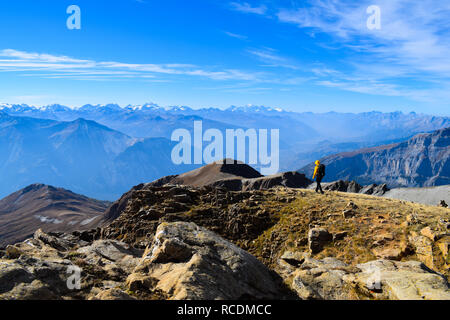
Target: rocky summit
<point x="186" y="242"/>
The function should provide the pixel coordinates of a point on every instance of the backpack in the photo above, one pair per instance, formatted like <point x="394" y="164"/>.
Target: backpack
<point x="321" y="170"/>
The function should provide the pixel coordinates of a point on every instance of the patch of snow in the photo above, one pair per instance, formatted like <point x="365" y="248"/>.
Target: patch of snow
<point x="87" y="221"/>
<point x="48" y="220"/>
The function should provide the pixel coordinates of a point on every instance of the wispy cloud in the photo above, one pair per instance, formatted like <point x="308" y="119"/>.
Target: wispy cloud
<point x="54" y="66"/>
<point x="409" y="56"/>
<point x="247" y="8"/>
<point x="271" y="58"/>
<point x="235" y="35"/>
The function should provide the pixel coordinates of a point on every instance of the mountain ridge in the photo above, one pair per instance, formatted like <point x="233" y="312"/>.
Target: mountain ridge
<point x="40" y="206"/>
<point x="423" y="160"/>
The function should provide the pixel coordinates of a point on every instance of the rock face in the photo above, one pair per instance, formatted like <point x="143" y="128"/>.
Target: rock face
<point x="287" y="179"/>
<point x="375" y="190"/>
<point x="233" y="215"/>
<point x="423" y="160"/>
<point x="331" y="279"/>
<point x="343" y="186"/>
<point x="354" y="187"/>
<point x="189" y="262"/>
<point x="114" y="211"/>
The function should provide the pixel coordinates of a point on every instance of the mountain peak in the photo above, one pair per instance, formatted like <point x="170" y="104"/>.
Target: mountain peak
<point x="253" y="108"/>
<point x="43" y="206"/>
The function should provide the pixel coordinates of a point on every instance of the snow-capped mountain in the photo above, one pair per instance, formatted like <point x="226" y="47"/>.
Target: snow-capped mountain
<point x="303" y="136"/>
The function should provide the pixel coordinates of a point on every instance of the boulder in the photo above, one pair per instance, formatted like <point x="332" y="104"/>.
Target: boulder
<point x="317" y="237"/>
<point x="189" y="262"/>
<point x="412" y="280"/>
<point x="105" y="252"/>
<point x="322" y="280"/>
<point x="12" y="252"/>
<point x="30" y="278"/>
<point x="52" y="241"/>
<point x="388" y="253"/>
<point x="348" y="213"/>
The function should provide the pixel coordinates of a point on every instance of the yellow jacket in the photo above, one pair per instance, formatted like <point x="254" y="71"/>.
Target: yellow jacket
<point x="316" y="168"/>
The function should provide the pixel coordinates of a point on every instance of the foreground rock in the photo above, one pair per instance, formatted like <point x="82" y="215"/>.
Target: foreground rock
<point x="47" y="266"/>
<point x="185" y="262"/>
<point x="331" y="279"/>
<point x="189" y="262"/>
<point x="412" y="280"/>
<point x="317" y="237"/>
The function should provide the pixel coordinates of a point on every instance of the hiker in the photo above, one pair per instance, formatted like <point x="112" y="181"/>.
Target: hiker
<point x="319" y="173"/>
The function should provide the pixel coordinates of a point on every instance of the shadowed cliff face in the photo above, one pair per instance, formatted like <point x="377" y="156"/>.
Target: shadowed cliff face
<point x="423" y="160"/>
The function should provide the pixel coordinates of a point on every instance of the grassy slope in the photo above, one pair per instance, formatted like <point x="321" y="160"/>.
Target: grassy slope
<point x="376" y="218"/>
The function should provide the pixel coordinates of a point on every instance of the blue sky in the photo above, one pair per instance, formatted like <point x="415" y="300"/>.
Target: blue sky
<point x="298" y="55"/>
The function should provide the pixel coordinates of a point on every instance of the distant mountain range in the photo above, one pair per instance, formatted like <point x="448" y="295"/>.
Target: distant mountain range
<point x="102" y="151"/>
<point x="79" y="155"/>
<point x="49" y="208"/>
<point x="423" y="160"/>
<point x="303" y="136"/>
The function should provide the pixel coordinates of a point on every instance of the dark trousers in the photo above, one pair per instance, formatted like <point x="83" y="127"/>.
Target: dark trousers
<point x="319" y="187"/>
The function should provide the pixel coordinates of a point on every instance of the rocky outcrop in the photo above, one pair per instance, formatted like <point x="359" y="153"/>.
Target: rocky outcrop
<point x="375" y="190"/>
<point x="343" y="186"/>
<point x="189" y="262"/>
<point x="114" y="211"/>
<point x="331" y="279"/>
<point x="412" y="280"/>
<point x="354" y="187"/>
<point x="317" y="237"/>
<point x="291" y="179"/>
